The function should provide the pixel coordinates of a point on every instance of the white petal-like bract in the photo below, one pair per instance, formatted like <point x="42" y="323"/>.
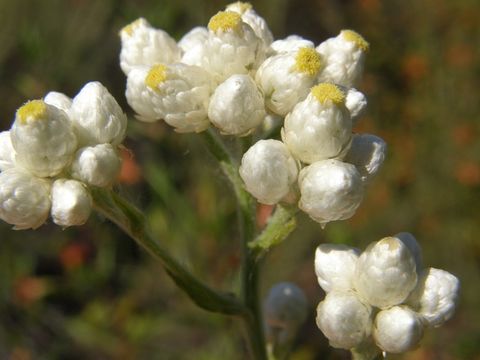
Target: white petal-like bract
<point x="356" y="103"/>
<point x="367" y="153"/>
<point x="7" y="152"/>
<point x="59" y="100"/>
<point x="256" y="22"/>
<point x="289" y="44"/>
<point x="71" y="203"/>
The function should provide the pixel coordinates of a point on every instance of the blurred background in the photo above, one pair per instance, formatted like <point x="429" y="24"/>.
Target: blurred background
<point x="91" y="293"/>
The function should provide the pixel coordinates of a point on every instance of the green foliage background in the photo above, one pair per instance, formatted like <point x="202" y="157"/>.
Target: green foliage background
<point x="90" y="293"/>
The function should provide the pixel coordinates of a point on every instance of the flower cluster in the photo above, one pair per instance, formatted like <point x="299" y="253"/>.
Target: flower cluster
<point x="381" y="296"/>
<point x="55" y="148"/>
<point x="232" y="75"/>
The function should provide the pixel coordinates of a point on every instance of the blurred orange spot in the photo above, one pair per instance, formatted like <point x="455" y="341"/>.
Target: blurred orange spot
<point x="464" y="134"/>
<point x="460" y="55"/>
<point x="263" y="213"/>
<point x="414" y="67"/>
<point x="130" y="173"/>
<point x="468" y="173"/>
<point x="29" y="289"/>
<point x="369" y="5"/>
<point x="74" y="255"/>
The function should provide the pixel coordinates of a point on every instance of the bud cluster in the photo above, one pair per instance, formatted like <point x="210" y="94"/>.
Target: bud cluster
<point x="382" y="296"/>
<point x="55" y="149"/>
<point x="234" y="76"/>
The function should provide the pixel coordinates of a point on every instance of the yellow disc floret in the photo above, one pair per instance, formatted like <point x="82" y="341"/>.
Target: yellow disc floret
<point x="156" y="76"/>
<point x="224" y="21"/>
<point x="328" y="92"/>
<point x="35" y="110"/>
<point x="132" y="26"/>
<point x="308" y="61"/>
<point x="243" y="7"/>
<point x="356" y="38"/>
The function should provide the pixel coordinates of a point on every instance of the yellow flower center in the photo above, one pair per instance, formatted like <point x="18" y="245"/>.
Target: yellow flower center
<point x="156" y="76"/>
<point x="35" y="110"/>
<point x="328" y="92"/>
<point x="356" y="38"/>
<point x="132" y="26"/>
<point x="242" y="6"/>
<point x="308" y="61"/>
<point x="224" y="21"/>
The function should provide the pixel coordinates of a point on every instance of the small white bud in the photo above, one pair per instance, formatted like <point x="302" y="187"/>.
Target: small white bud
<point x="397" y="329"/>
<point x="367" y="153"/>
<point x="291" y="43"/>
<point x="435" y="296"/>
<point x="24" y="199"/>
<point x="344" y="319"/>
<point x="286" y="78"/>
<point x="193" y="45"/>
<point x="330" y="190"/>
<point x="356" y="103"/>
<point x="59" y="100"/>
<point x="97" y="116"/>
<point x="412" y="245"/>
<point x="268" y="171"/>
<point x="71" y="203"/>
<point x="386" y="273"/>
<point x="142" y="44"/>
<point x="344" y="57"/>
<point x="177" y="93"/>
<point x="43" y="138"/>
<point x="319" y="127"/>
<point x="335" y="266"/>
<point x="237" y="106"/>
<point x="96" y="165"/>
<point x="7" y="152"/>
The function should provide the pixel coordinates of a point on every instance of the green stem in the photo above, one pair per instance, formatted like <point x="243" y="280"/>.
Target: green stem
<point x="133" y="223"/>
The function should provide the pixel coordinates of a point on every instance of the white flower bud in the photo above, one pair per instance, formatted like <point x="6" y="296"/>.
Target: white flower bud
<point x="43" y="138"/>
<point x="285" y="311"/>
<point x="367" y="153"/>
<point x="356" y="103"/>
<point x="59" y="100"/>
<point x="24" y="199"/>
<point x="232" y="47"/>
<point x="7" y="152"/>
<point x="237" y="106"/>
<point x="397" y="329"/>
<point x="96" y="165"/>
<point x="256" y="22"/>
<point x="71" y="203"/>
<point x="435" y="296"/>
<point x="268" y="171"/>
<point x="142" y="44"/>
<point x="330" y="190"/>
<point x="193" y="45"/>
<point x="291" y="43"/>
<point x="177" y="93"/>
<point x="335" y="266"/>
<point x="319" y="127"/>
<point x="97" y="116"/>
<point x="385" y="273"/>
<point x="286" y="78"/>
<point x="344" y="319"/>
<point x="344" y="57"/>
<point x="412" y="245"/>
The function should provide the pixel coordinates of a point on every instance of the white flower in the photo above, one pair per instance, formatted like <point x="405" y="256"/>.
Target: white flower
<point x="386" y="273"/>
<point x="319" y="127"/>
<point x="268" y="171"/>
<point x="144" y="45"/>
<point x="96" y="165"/>
<point x="24" y="199"/>
<point x="435" y="296"/>
<point x="356" y="103"/>
<point x="286" y="78"/>
<point x="257" y="23"/>
<point x="367" y="153"/>
<point x="97" y="116"/>
<point x="193" y="45"/>
<point x="232" y="47"/>
<point x="59" y="100"/>
<point x="177" y="93"/>
<point x="7" y="152"/>
<point x="43" y="138"/>
<point x="335" y="266"/>
<point x="330" y="190"/>
<point x="71" y="203"/>
<point x="397" y="330"/>
<point x="291" y="43"/>
<point x="344" y="57"/>
<point x="237" y="105"/>
<point x="344" y="319"/>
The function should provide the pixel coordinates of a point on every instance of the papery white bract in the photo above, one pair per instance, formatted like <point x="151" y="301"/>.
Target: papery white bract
<point x="367" y="153"/>
<point x="71" y="203"/>
<point x="335" y="266"/>
<point x="7" y="152"/>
